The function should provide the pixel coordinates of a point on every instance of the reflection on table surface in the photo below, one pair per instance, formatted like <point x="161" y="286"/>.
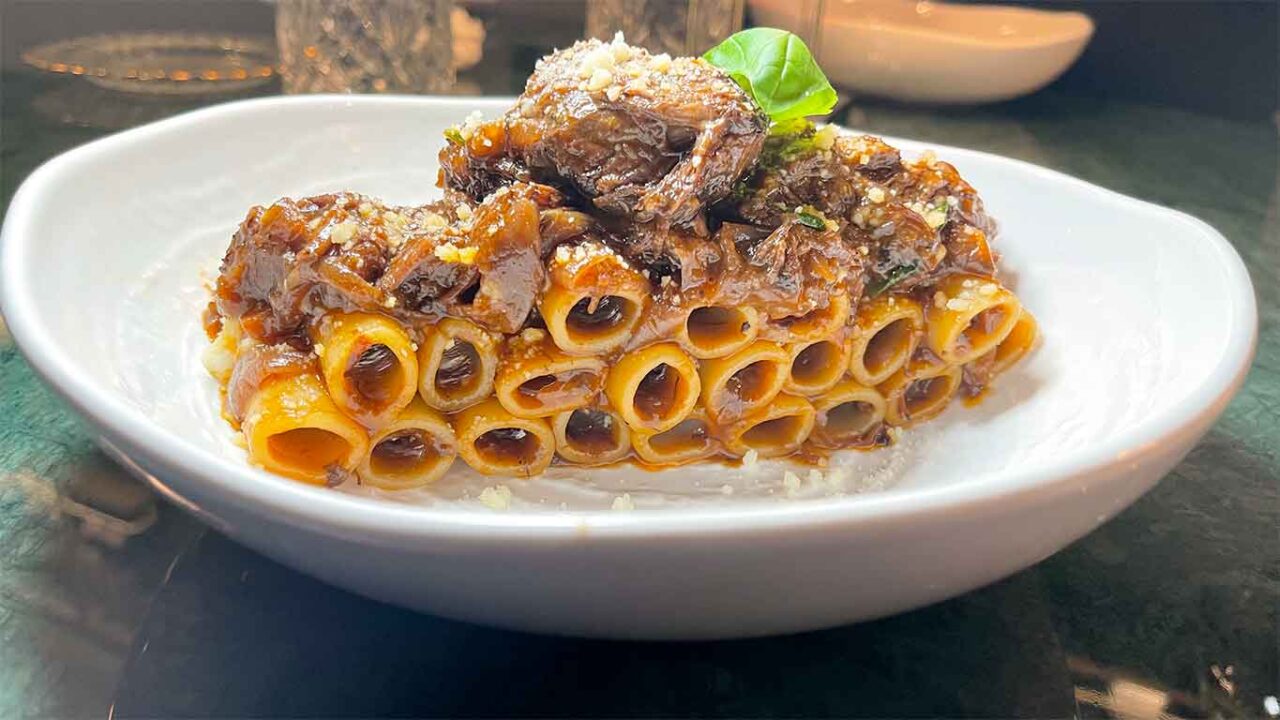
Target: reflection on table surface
<point x="110" y="598"/>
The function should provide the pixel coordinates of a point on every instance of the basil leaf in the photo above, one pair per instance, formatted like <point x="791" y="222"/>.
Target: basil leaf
<point x="777" y="70"/>
<point x="893" y="277"/>
<point x="454" y="135"/>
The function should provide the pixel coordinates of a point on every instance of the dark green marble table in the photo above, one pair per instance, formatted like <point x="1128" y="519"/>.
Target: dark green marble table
<point x="111" y="601"/>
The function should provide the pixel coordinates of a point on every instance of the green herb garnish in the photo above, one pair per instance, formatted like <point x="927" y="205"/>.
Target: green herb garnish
<point x="454" y="135"/>
<point x="810" y="220"/>
<point x="793" y="129"/>
<point x="777" y="70"/>
<point x="893" y="277"/>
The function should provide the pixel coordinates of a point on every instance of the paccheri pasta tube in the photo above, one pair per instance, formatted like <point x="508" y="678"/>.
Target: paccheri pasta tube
<point x="591" y="436"/>
<point x="294" y="428"/>
<point x="457" y="362"/>
<point x="369" y="365"/>
<point x="588" y="291"/>
<point x="413" y="450"/>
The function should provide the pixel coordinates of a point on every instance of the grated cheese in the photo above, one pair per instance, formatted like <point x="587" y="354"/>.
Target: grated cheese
<point x="497" y="497"/>
<point x="343" y="232"/>
<point x="791" y="482"/>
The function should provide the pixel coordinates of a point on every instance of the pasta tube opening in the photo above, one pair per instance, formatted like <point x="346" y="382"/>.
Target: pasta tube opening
<point x="416" y="449"/>
<point x="375" y="373"/>
<point x="779" y="429"/>
<point x="591" y="436"/>
<point x="536" y="379"/>
<point x="459" y="370"/>
<point x="404" y="452"/>
<point x="969" y="317"/>
<point x="689" y="440"/>
<point x="653" y="388"/>
<point x="715" y="330"/>
<point x="885" y="335"/>
<point x="594" y="300"/>
<point x="920" y="392"/>
<point x="369" y="365"/>
<point x="1016" y="344"/>
<point x="848" y="415"/>
<point x="815" y="366"/>
<point x="508" y="446"/>
<point x="598" y="318"/>
<point x="293" y="428"/>
<point x="816" y="324"/>
<point x="735" y="386"/>
<point x="308" y="450"/>
<point x="458" y="361"/>
<point x="495" y="442"/>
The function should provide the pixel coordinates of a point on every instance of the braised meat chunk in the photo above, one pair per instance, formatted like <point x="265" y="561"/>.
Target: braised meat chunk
<point x="912" y="220"/>
<point x="649" y="138"/>
<point x="295" y="260"/>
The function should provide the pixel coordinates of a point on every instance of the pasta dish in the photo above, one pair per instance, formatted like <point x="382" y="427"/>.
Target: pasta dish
<point x="645" y="259"/>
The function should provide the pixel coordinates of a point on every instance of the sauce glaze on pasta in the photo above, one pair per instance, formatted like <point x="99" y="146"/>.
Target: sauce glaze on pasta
<point x="628" y="264"/>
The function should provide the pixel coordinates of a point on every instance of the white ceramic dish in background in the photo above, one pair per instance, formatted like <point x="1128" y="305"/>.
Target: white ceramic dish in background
<point x="1148" y="318"/>
<point x="935" y="52"/>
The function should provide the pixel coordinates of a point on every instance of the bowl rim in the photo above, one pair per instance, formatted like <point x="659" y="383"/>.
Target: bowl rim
<point x="324" y="510"/>
<point x="1068" y="26"/>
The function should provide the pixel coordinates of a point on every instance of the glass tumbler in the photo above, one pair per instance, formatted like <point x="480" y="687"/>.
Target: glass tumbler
<point x="677" y="27"/>
<point x="365" y="46"/>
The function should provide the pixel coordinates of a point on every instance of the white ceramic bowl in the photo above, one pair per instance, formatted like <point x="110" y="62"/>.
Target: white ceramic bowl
<point x="935" y="52"/>
<point x="1148" y="319"/>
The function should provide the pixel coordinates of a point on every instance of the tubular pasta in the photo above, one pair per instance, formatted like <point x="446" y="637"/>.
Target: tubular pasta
<point x="536" y="379"/>
<point x="780" y="428"/>
<point x="848" y="414"/>
<point x="884" y="336"/>
<point x="653" y="388"/>
<point x="495" y="442"/>
<point x="293" y="428"/>
<point x="815" y="366"/>
<point x="968" y="317"/>
<point x="591" y="436"/>
<point x="413" y="450"/>
<point x="735" y="386"/>
<point x="919" y="392"/>
<point x="458" y="360"/>
<point x="1016" y="344"/>
<point x="689" y="440"/>
<point x="814" y="325"/>
<point x="369" y="365"/>
<point x="712" y="331"/>
<point x="581" y="319"/>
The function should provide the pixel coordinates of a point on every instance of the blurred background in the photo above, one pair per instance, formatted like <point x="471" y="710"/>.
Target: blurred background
<point x="1210" y="56"/>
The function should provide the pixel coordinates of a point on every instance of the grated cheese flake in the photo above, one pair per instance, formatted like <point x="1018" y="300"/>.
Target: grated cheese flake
<point x="600" y="79"/>
<point x="497" y="497"/>
<point x="791" y="482"/>
<point x="343" y="232"/>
